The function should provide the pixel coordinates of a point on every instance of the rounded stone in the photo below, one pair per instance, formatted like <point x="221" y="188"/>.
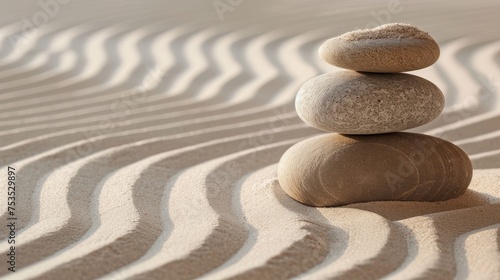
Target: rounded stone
<point x="335" y="169"/>
<point x="351" y="102"/>
<point x="389" y="48"/>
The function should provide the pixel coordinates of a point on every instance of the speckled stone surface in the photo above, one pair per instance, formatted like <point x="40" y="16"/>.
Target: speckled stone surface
<point x="334" y="169"/>
<point x="350" y="102"/>
<point x="389" y="48"/>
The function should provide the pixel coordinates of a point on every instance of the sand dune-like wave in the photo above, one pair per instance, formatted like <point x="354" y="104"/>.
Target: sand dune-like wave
<point x="145" y="137"/>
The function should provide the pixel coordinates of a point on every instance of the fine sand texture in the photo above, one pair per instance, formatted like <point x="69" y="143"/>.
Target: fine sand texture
<point x="146" y="135"/>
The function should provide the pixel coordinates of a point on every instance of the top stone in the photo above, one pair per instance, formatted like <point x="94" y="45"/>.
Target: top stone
<point x="389" y="48"/>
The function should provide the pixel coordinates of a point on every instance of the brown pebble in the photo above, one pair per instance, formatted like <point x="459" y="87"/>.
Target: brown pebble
<point x="350" y="102"/>
<point x="389" y="48"/>
<point x="334" y="169"/>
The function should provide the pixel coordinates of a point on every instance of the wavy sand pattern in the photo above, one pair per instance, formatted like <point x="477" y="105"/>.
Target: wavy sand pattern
<point x="145" y="135"/>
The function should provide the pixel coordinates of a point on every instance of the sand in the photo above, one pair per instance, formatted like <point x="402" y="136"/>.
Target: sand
<point x="145" y="137"/>
<point x="390" y="31"/>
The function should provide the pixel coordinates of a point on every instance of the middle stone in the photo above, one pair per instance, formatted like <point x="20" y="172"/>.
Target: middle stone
<point x="350" y="102"/>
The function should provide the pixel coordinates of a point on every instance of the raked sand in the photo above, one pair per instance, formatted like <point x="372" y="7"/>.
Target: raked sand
<point x="145" y="137"/>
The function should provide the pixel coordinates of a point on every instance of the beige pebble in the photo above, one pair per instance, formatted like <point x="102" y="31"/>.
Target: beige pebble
<point x="351" y="102"/>
<point x="334" y="169"/>
<point x="393" y="47"/>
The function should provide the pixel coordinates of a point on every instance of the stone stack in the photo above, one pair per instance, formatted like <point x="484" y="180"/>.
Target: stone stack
<point x="366" y="157"/>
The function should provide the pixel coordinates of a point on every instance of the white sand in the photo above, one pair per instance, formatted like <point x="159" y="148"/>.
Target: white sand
<point x="184" y="183"/>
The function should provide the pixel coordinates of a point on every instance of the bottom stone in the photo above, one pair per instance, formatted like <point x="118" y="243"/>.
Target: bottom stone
<point x="334" y="169"/>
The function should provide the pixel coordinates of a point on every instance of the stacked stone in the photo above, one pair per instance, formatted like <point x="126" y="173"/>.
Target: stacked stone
<point x="366" y="157"/>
